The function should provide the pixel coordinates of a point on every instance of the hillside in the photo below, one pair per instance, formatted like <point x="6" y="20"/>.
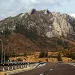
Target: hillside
<point x="38" y="31"/>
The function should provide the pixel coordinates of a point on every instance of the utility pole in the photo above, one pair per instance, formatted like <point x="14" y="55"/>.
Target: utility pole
<point x="4" y="56"/>
<point x="4" y="50"/>
<point x="1" y="52"/>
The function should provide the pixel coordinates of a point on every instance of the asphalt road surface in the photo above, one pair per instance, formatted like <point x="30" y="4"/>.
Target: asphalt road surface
<point x="51" y="69"/>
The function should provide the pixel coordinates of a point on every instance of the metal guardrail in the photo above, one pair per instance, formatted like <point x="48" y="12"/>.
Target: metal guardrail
<point x="15" y="66"/>
<point x="5" y="67"/>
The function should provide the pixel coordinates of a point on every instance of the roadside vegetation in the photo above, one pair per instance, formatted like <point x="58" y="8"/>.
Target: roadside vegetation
<point x="43" y="54"/>
<point x="70" y="55"/>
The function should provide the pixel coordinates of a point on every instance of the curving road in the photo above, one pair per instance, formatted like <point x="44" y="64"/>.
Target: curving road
<point x="51" y="69"/>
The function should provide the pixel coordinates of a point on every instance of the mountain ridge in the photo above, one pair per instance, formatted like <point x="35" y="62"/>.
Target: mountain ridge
<point x="44" y="28"/>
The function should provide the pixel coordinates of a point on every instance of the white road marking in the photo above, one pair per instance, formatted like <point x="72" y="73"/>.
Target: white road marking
<point x="56" y="66"/>
<point x="41" y="74"/>
<point x="51" y="69"/>
<point x="73" y="65"/>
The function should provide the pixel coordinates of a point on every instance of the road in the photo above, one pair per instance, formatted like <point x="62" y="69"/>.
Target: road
<point x="51" y="69"/>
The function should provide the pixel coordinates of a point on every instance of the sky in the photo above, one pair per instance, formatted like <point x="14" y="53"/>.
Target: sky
<point x="15" y="7"/>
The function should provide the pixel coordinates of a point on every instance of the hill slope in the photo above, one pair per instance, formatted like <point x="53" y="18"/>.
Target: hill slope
<point x="37" y="31"/>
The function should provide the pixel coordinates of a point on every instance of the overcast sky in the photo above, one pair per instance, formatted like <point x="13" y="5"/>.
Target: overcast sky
<point x="14" y="7"/>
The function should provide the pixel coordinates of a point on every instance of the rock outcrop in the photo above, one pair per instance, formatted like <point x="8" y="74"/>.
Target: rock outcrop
<point x="32" y="11"/>
<point x="50" y="24"/>
<point x="45" y="23"/>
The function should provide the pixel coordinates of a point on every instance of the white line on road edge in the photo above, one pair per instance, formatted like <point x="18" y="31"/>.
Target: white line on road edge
<point x="73" y="64"/>
<point x="41" y="65"/>
<point x="41" y="74"/>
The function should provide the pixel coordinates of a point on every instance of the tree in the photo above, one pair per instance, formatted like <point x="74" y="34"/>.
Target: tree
<point x="43" y="54"/>
<point x="46" y="54"/>
<point x="59" y="57"/>
<point x="70" y="55"/>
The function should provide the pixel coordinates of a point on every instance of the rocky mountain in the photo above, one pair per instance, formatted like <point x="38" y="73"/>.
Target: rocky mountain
<point x="44" y="29"/>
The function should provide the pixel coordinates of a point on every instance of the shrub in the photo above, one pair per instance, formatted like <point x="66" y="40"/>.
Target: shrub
<point x="19" y="59"/>
<point x="46" y="60"/>
<point x="70" y="55"/>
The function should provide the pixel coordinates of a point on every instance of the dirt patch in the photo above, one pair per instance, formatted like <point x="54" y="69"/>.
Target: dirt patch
<point x="2" y="73"/>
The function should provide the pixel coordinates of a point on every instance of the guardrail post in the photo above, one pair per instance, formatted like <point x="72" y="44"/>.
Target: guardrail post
<point x="21" y="65"/>
<point x="12" y="66"/>
<point x="3" y="68"/>
<point x="18" y="66"/>
<point x="24" y="64"/>
<point x="28" y="64"/>
<point x="8" y="66"/>
<point x="15" y="67"/>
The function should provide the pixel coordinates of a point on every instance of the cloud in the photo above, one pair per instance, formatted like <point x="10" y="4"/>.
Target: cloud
<point x="14" y="7"/>
<point x="73" y="15"/>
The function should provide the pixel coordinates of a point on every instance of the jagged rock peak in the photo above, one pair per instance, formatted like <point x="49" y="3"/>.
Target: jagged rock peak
<point x="32" y="11"/>
<point x="46" y="11"/>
